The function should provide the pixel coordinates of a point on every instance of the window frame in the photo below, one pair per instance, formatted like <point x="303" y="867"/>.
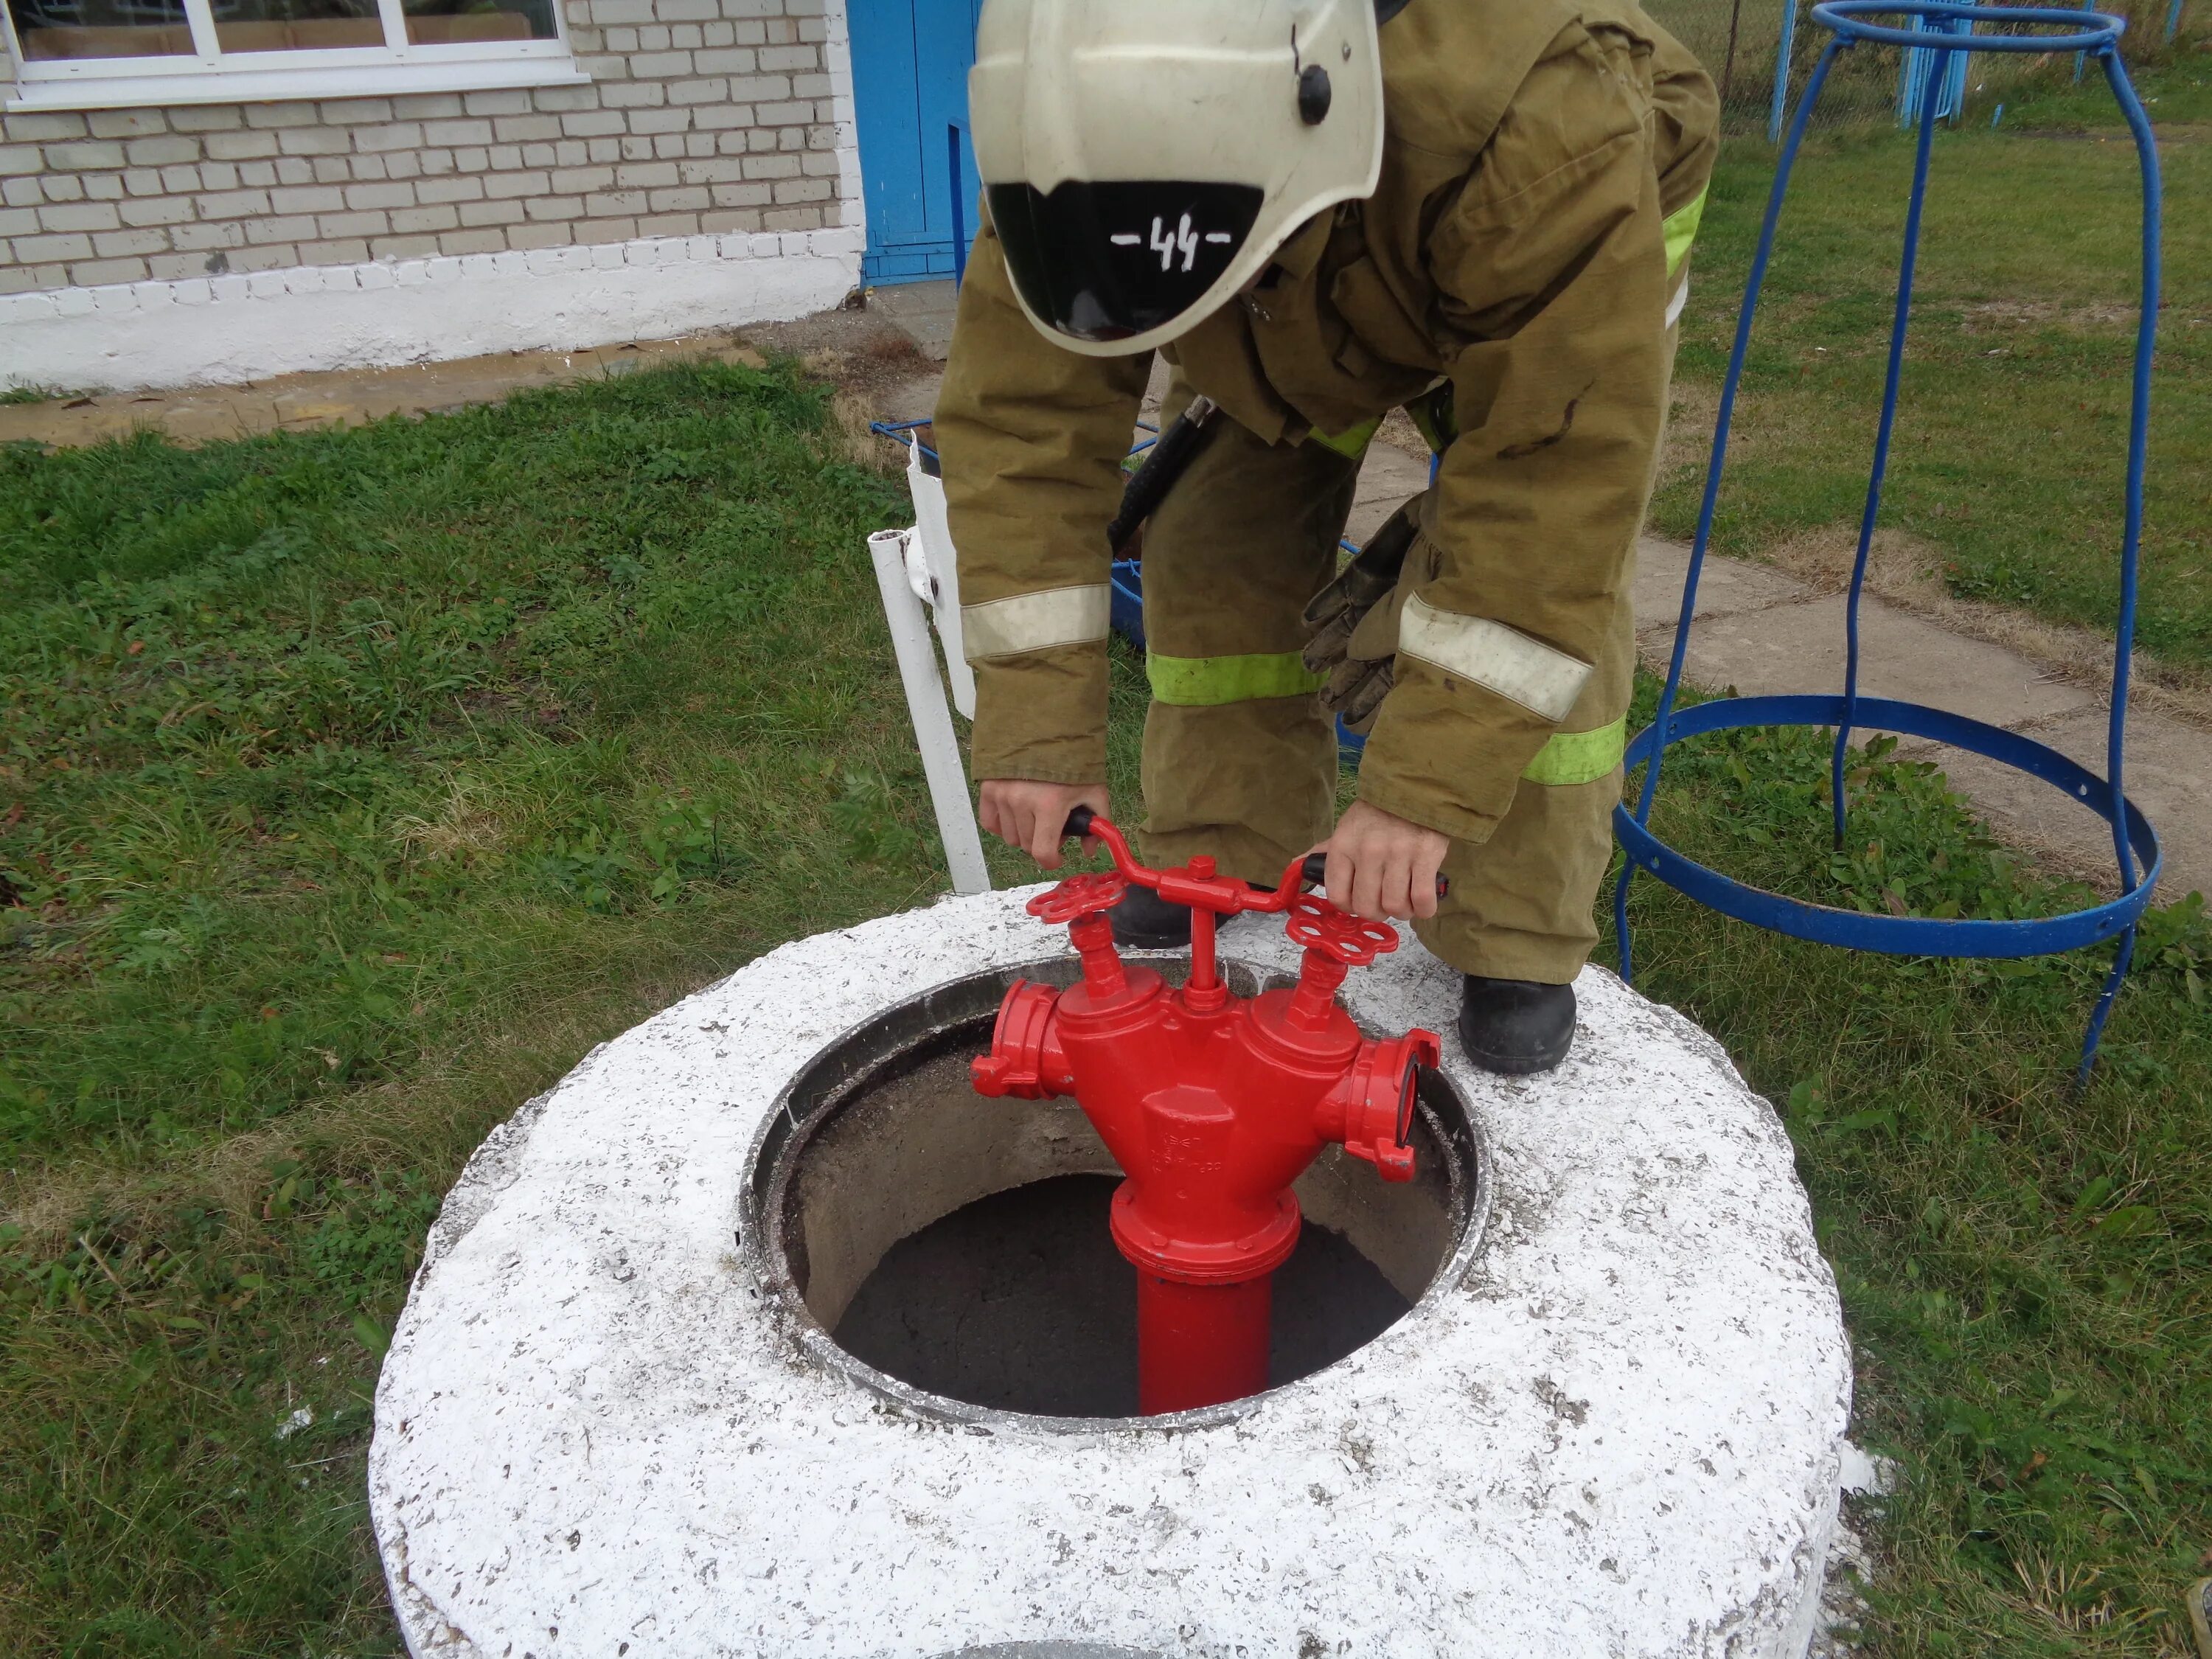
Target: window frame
<point x="207" y="75"/>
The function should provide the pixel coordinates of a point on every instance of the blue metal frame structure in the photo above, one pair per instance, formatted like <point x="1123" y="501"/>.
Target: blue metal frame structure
<point x="1780" y="105"/>
<point x="1931" y="72"/>
<point x="1939" y="26"/>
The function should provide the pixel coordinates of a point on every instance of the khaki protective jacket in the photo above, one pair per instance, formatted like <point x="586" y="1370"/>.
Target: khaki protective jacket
<point x="1544" y="165"/>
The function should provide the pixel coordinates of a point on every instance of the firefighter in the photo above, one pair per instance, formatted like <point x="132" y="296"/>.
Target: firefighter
<point x="1318" y="211"/>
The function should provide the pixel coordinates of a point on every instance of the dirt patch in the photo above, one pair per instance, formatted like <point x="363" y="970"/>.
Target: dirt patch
<point x="1998" y="316"/>
<point x="878" y="370"/>
<point x="854" y="348"/>
<point x="299" y="403"/>
<point x="2167" y="132"/>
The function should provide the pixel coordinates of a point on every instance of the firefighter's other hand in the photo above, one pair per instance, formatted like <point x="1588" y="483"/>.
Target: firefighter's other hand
<point x="1029" y="815"/>
<point x="1382" y="865"/>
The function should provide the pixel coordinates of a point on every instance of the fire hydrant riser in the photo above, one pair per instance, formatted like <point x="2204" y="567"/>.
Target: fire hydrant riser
<point x="1198" y="1345"/>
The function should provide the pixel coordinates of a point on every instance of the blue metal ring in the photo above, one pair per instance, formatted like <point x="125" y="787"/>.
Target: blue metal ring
<point x="1904" y="936"/>
<point x="2095" y="30"/>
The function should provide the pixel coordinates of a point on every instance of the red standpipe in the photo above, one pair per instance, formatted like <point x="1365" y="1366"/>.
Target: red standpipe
<point x="1212" y="1104"/>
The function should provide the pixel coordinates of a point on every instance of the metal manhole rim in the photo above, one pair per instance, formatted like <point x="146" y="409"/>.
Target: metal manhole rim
<point x="773" y="1153"/>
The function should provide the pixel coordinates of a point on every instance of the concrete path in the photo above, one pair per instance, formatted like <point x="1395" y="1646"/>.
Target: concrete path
<point x="1763" y="632"/>
<point x="1759" y="628"/>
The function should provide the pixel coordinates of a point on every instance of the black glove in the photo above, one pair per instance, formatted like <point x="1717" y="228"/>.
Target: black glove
<point x="1355" y="624"/>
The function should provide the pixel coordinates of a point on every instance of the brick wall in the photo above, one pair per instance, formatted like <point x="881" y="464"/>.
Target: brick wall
<point x="704" y="118"/>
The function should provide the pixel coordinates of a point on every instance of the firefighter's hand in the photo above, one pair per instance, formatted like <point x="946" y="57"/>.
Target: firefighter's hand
<point x="1382" y="865"/>
<point x="1029" y="815"/>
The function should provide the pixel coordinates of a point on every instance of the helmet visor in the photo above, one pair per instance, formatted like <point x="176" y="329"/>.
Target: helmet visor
<point x="1106" y="262"/>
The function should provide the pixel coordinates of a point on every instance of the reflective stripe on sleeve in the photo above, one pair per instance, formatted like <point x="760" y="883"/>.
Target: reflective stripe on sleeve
<point x="1208" y="681"/>
<point x="1495" y="657"/>
<point x="1035" y="621"/>
<point x="1680" y="228"/>
<point x="1573" y="757"/>
<point x="1674" y="306"/>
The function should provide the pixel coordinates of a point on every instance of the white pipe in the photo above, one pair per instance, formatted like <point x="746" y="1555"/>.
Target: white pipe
<point x="932" y="721"/>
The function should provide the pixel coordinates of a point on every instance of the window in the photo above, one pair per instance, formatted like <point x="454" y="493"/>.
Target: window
<point x="94" y="54"/>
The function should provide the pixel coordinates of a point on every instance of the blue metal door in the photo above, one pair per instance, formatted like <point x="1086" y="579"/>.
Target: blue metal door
<point x="910" y="63"/>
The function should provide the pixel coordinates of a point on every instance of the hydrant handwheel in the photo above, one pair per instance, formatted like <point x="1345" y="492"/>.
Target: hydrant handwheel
<point x="1078" y="896"/>
<point x="1212" y="1104"/>
<point x="1352" y="941"/>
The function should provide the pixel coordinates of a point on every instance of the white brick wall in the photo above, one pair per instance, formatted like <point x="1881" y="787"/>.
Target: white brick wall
<point x="705" y="119"/>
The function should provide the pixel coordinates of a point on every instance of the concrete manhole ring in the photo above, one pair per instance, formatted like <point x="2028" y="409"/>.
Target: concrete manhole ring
<point x="1609" y="1426"/>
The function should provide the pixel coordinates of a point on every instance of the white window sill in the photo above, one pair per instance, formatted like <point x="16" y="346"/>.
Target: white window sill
<point x="260" y="86"/>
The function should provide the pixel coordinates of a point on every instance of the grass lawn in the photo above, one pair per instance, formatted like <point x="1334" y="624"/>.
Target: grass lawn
<point x="354" y="784"/>
<point x="2012" y="430"/>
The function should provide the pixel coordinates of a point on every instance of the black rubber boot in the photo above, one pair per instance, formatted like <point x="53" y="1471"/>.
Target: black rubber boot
<point x="1515" y="1027"/>
<point x="1143" y="920"/>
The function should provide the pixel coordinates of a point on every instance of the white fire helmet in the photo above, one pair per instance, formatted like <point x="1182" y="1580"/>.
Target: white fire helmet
<point x="1144" y="159"/>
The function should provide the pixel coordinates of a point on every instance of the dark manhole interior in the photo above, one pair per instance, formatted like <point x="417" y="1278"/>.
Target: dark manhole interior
<point x="1020" y="1301"/>
<point x="960" y="1245"/>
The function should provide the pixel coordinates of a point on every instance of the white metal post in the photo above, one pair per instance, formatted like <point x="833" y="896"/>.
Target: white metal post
<point x="932" y="720"/>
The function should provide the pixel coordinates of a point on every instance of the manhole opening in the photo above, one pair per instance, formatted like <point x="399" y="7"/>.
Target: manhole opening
<point x="960" y="1245"/>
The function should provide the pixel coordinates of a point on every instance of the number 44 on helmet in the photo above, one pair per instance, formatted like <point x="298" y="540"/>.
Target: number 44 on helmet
<point x="1144" y="161"/>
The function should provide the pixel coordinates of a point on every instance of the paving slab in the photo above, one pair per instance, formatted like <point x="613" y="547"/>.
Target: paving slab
<point x="924" y="310"/>
<point x="2169" y="776"/>
<point x="1800" y="649"/>
<point x="1728" y="587"/>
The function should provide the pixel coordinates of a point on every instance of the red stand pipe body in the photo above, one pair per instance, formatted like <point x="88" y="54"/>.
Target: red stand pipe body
<point x="1212" y="1104"/>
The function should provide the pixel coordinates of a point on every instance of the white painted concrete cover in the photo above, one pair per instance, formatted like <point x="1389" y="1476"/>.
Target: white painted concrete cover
<point x="1618" y="1436"/>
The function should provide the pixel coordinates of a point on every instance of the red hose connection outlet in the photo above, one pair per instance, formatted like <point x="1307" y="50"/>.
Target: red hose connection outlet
<point x="1212" y="1103"/>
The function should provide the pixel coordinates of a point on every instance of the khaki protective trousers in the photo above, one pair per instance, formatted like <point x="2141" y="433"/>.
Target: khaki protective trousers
<point x="1240" y="758"/>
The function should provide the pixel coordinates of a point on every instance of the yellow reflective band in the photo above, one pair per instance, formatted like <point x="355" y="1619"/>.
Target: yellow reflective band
<point x="1207" y="682"/>
<point x="1680" y="227"/>
<point x="1035" y="621"/>
<point x="1573" y="757"/>
<point x="1352" y="442"/>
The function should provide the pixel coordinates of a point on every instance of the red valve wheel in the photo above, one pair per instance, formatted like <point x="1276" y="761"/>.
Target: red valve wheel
<point x="1352" y="941"/>
<point x="1079" y="896"/>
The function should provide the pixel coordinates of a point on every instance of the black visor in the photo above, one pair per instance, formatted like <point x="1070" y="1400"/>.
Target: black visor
<point x="1104" y="261"/>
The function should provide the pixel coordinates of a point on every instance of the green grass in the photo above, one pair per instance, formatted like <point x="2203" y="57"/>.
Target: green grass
<point x="351" y="785"/>
<point x="449" y="748"/>
<point x="2012" y="431"/>
<point x="2026" y="1271"/>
